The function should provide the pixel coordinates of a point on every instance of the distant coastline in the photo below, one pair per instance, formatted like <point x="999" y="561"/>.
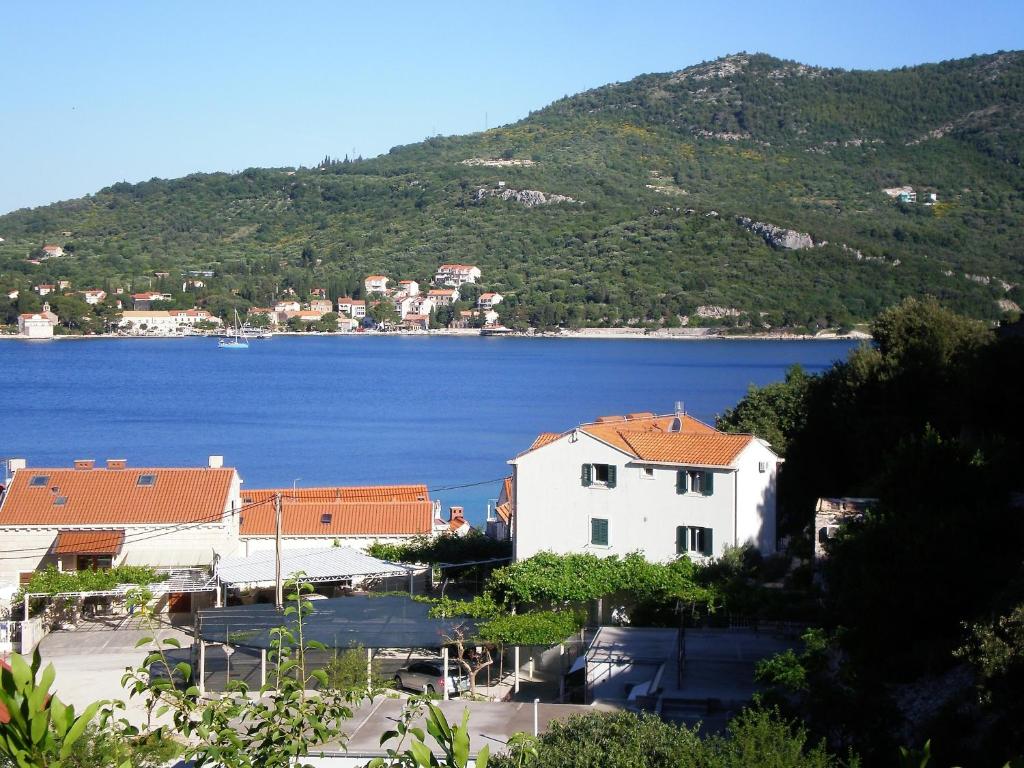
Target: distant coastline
<point x="639" y="334"/>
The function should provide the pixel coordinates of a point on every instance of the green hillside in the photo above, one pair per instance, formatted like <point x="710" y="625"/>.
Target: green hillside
<point x="659" y="171"/>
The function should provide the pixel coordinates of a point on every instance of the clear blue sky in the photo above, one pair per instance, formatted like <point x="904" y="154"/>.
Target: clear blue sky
<point x="97" y="92"/>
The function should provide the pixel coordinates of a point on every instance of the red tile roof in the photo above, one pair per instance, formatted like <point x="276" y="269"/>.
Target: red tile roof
<point x="92" y="542"/>
<point x="651" y="438"/>
<point x="343" y="518"/>
<point x="709" y="450"/>
<point x="114" y="496"/>
<point x="544" y="438"/>
<point x="340" y="493"/>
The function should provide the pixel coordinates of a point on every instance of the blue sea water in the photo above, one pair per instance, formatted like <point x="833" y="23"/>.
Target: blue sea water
<point x="359" y="410"/>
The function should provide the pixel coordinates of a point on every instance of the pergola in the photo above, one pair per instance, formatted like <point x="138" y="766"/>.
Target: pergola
<point x="307" y="565"/>
<point x="178" y="580"/>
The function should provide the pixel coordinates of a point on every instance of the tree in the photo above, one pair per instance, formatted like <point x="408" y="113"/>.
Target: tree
<point x="383" y="312"/>
<point x="773" y="412"/>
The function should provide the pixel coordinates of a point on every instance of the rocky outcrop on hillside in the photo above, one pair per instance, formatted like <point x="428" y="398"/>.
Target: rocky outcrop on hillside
<point x="531" y="198"/>
<point x="777" y="237"/>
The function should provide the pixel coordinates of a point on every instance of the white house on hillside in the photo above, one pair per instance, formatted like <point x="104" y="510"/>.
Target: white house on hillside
<point x="456" y="274"/>
<point x="662" y="485"/>
<point x="375" y="284"/>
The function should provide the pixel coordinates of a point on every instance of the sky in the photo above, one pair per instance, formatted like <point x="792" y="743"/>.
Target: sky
<point x="92" y="93"/>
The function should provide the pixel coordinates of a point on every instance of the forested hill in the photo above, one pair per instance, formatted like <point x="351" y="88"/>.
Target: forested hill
<point x="749" y="187"/>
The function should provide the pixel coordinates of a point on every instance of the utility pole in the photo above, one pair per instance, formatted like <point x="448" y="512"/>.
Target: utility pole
<point x="278" y="591"/>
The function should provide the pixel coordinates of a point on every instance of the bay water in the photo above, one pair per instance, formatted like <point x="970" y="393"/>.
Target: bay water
<point x="355" y="410"/>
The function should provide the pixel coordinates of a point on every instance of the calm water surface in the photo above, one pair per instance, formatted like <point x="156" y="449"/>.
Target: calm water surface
<point x="357" y="410"/>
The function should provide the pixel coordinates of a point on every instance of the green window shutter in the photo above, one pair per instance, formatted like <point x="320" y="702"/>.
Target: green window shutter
<point x="599" y="531"/>
<point x="681" y="477"/>
<point x="709" y="483"/>
<point x="611" y="475"/>
<point x="587" y="475"/>
<point x="680" y="539"/>
<point x="709" y="545"/>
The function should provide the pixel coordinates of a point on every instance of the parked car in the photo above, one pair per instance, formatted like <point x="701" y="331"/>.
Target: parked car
<point x="427" y="675"/>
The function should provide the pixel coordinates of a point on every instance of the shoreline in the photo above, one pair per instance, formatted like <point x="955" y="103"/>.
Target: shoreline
<point x="603" y="334"/>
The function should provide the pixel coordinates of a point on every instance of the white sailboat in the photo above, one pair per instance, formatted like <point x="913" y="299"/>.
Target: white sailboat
<point x="235" y="339"/>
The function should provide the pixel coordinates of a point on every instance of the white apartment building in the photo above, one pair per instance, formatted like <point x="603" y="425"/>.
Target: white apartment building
<point x="662" y="485"/>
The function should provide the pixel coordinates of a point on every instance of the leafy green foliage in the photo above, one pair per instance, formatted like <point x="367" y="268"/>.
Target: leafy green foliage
<point x="51" y="581"/>
<point x="576" y="578"/>
<point x="447" y="548"/>
<point x="39" y="731"/>
<point x="799" y="147"/>
<point x="930" y="422"/>
<point x="771" y="412"/>
<point x="412" y="751"/>
<point x="532" y="628"/>
<point x="625" y="740"/>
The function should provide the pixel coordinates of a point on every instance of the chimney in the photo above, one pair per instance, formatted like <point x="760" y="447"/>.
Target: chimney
<point x="84" y="463"/>
<point x="116" y="463"/>
<point x="13" y="465"/>
<point x="680" y="408"/>
<point x="216" y="462"/>
<point x="455" y="515"/>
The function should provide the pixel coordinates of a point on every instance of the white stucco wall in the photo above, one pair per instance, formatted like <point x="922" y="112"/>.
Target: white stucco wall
<point x="554" y="509"/>
<point x="756" y="492"/>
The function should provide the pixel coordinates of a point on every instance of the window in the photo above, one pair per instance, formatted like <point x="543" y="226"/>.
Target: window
<point x="598" y="475"/>
<point x="647" y="472"/>
<point x="326" y="518"/>
<point x="599" y="531"/>
<point x="700" y="481"/>
<point x="39" y="481"/>
<point x="146" y="480"/>
<point x="690" y="538"/>
<point x="60" y="501"/>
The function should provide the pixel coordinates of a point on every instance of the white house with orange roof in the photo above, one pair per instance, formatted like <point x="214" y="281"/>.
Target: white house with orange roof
<point x="45" y="289"/>
<point x="456" y="274"/>
<point x="662" y="485"/>
<point x="404" y="304"/>
<point x="442" y="297"/>
<point x="94" y="296"/>
<point x="37" y="325"/>
<point x="52" y="251"/>
<point x="411" y="287"/>
<point x="489" y="300"/>
<point x="376" y="284"/>
<point x="86" y="516"/>
<point x="354" y="308"/>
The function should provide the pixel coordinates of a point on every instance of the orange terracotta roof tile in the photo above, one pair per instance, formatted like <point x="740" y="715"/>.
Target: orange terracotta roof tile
<point x="339" y="518"/>
<point x="115" y="497"/>
<point x="504" y="511"/>
<point x="544" y="438"/>
<point x="711" y="450"/>
<point x="610" y="429"/>
<point x="92" y="542"/>
<point x="340" y="493"/>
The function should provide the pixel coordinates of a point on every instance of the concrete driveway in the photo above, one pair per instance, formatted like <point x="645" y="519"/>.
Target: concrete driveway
<point x="91" y="659"/>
